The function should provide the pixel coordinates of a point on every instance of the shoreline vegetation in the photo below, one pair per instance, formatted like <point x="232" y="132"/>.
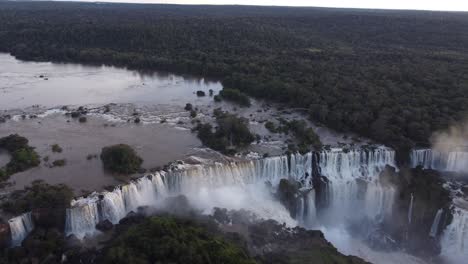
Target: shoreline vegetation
<point x="396" y="84"/>
<point x="23" y="156"/>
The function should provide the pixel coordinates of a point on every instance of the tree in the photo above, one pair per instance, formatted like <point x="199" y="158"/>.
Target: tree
<point x="121" y="159"/>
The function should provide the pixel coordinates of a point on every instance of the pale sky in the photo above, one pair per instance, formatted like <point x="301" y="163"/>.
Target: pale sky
<point x="446" y="5"/>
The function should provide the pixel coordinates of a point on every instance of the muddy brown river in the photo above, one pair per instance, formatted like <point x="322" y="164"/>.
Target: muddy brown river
<point x="35" y="87"/>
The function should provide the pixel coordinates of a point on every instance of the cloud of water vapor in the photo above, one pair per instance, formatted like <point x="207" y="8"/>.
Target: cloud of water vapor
<point x="453" y="138"/>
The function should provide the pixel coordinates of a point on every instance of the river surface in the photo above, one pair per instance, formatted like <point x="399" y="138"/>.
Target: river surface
<point x="162" y="136"/>
<point x="24" y="84"/>
<point x="35" y="87"/>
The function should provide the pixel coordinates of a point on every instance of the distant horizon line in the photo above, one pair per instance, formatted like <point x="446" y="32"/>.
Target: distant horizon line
<point x="247" y="5"/>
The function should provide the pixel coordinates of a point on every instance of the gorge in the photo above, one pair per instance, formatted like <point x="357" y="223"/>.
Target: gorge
<point x="339" y="188"/>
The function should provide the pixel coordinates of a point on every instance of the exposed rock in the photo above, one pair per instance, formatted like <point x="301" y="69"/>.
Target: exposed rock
<point x="75" y="114"/>
<point x="188" y="107"/>
<point x="72" y="241"/>
<point x="5" y="235"/>
<point x="464" y="189"/>
<point x="271" y="242"/>
<point x="426" y="186"/>
<point x="132" y="218"/>
<point x="105" y="225"/>
<point x="287" y="193"/>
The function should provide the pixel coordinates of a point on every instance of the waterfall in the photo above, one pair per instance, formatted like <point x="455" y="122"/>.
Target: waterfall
<point x="457" y="161"/>
<point x="454" y="161"/>
<point x="310" y="215"/>
<point x="20" y="227"/>
<point x="353" y="177"/>
<point x="435" y="224"/>
<point x="86" y="213"/>
<point x="410" y="209"/>
<point x="364" y="164"/>
<point x="305" y="211"/>
<point x="454" y="239"/>
<point x="301" y="168"/>
<point x="300" y="210"/>
<point x="355" y="188"/>
<point x="379" y="200"/>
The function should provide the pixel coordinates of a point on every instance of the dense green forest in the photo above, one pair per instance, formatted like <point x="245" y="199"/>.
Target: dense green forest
<point x="393" y="76"/>
<point x="167" y="240"/>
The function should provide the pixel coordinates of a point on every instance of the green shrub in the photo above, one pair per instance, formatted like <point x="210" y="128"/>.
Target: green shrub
<point x="56" y="148"/>
<point x="270" y="126"/>
<point x="3" y="175"/>
<point x="232" y="132"/>
<point x="305" y="136"/>
<point x="120" y="158"/>
<point x="169" y="240"/>
<point x="13" y="142"/>
<point x="235" y="96"/>
<point x="39" y="195"/>
<point x="59" y="163"/>
<point x="22" y="159"/>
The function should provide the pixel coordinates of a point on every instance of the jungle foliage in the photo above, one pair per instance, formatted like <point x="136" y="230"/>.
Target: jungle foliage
<point x="393" y="76"/>
<point x="38" y="195"/>
<point x="231" y="132"/>
<point x="171" y="240"/>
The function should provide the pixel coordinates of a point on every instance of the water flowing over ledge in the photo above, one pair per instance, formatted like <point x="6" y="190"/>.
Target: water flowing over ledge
<point x="20" y="227"/>
<point x="454" y="161"/>
<point x="454" y="240"/>
<point x="342" y="169"/>
<point x="347" y="171"/>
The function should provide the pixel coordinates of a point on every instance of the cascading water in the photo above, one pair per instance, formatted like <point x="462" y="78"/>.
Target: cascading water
<point x="86" y="213"/>
<point x="354" y="185"/>
<point x="306" y="212"/>
<point x="436" y="223"/>
<point x="342" y="168"/>
<point x="113" y="206"/>
<point x="454" y="240"/>
<point x="454" y="161"/>
<point x="355" y="188"/>
<point x="301" y="168"/>
<point x="20" y="227"/>
<point x="410" y="209"/>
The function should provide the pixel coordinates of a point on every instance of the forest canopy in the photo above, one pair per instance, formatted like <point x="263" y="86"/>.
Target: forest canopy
<point x="393" y="76"/>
